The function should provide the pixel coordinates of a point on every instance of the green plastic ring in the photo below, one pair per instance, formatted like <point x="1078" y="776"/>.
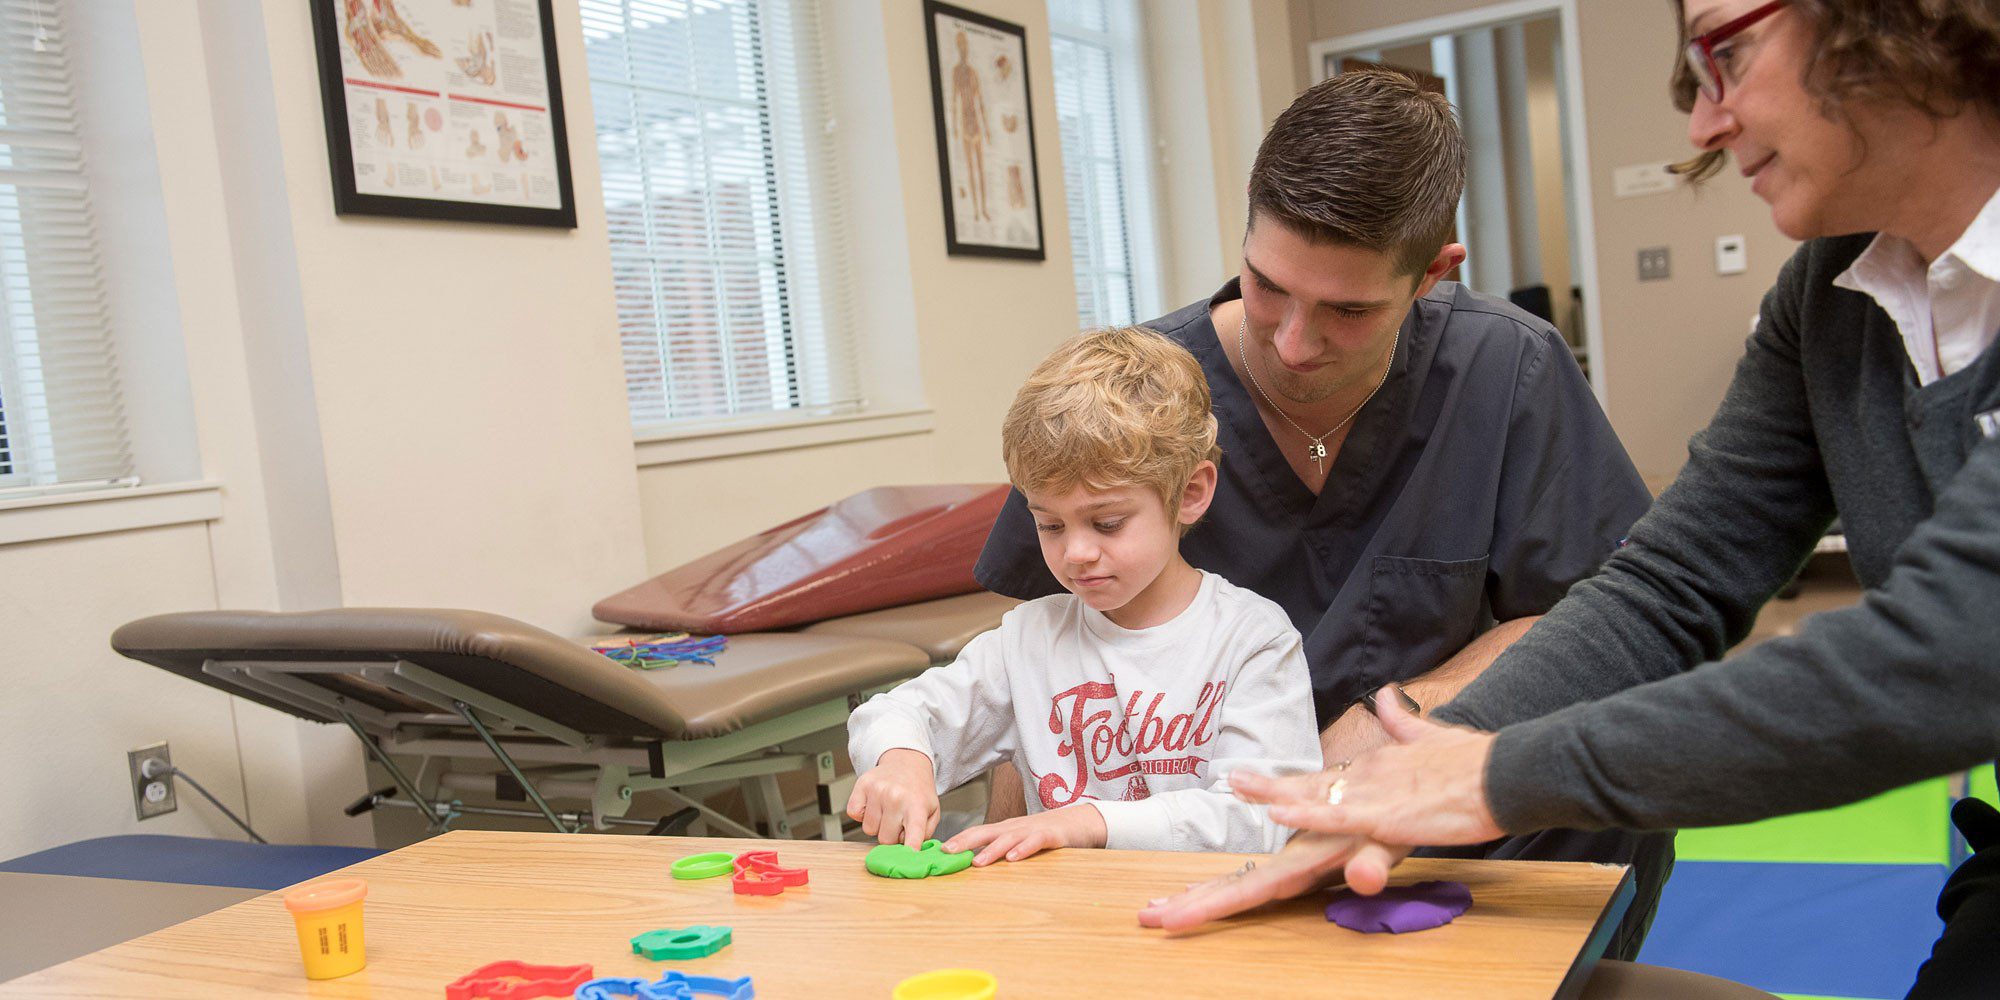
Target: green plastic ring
<point x="696" y="866"/>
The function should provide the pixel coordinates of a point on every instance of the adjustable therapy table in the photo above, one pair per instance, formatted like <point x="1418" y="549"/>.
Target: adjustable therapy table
<point x="461" y="690"/>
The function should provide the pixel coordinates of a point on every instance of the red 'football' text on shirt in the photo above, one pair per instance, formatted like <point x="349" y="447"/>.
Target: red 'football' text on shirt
<point x="1095" y="728"/>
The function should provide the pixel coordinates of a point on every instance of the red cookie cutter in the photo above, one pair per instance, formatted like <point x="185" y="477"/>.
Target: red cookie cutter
<point x="758" y="874"/>
<point x="512" y="980"/>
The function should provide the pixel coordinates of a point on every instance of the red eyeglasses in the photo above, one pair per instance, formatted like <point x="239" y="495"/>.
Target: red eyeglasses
<point x="1709" y="71"/>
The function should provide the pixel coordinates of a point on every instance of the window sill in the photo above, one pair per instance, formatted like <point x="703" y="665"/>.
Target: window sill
<point x="67" y="515"/>
<point x="695" y="445"/>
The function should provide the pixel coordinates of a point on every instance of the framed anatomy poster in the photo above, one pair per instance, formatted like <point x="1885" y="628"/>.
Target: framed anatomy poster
<point x="444" y="109"/>
<point x="985" y="134"/>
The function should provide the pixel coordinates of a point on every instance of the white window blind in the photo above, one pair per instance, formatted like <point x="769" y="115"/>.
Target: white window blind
<point x="725" y="216"/>
<point x="1092" y="47"/>
<point x="61" y="420"/>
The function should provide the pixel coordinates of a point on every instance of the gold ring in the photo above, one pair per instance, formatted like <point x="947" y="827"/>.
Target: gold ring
<point x="1337" y="792"/>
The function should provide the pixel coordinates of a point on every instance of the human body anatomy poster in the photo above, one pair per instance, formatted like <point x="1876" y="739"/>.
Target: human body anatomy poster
<point x="985" y="133"/>
<point x="447" y="109"/>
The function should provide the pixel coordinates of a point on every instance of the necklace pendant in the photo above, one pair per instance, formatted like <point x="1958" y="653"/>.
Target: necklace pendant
<point x="1317" y="452"/>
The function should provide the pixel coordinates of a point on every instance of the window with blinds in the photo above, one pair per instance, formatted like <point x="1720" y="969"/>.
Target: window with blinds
<point x="61" y="419"/>
<point x="1093" y="50"/>
<point x="724" y="211"/>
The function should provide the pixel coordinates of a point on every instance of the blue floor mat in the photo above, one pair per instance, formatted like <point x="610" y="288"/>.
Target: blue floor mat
<point x="190" y="861"/>
<point x="1841" y="930"/>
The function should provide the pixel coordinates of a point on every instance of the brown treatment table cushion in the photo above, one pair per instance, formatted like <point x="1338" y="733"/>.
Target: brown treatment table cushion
<point x="877" y="549"/>
<point x="757" y="677"/>
<point x="940" y="628"/>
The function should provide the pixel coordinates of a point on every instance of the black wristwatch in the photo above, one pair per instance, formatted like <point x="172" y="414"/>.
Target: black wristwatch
<point x="1367" y="701"/>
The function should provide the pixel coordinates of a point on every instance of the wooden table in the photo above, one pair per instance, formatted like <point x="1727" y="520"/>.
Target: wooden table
<point x="1059" y="925"/>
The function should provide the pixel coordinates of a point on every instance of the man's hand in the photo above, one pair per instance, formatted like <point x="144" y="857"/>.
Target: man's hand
<point x="1427" y="789"/>
<point x="1080" y="825"/>
<point x="897" y="801"/>
<point x="1308" y="862"/>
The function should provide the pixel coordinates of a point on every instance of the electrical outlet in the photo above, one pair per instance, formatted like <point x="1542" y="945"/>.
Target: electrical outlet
<point x="151" y="795"/>
<point x="1655" y="263"/>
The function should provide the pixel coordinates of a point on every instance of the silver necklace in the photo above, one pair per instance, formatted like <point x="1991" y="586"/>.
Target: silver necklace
<point x="1317" y="449"/>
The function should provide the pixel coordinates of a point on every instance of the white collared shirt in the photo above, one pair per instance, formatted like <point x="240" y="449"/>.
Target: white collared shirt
<point x="1947" y="313"/>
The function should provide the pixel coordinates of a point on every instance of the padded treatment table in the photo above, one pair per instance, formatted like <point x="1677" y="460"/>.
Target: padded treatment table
<point x="940" y="628"/>
<point x="463" y="689"/>
<point x="450" y="686"/>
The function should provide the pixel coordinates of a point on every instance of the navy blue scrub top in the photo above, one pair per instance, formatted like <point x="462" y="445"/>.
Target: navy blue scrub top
<point x="1479" y="483"/>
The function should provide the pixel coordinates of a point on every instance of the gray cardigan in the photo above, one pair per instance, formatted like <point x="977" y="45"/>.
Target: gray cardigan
<point x="1613" y="710"/>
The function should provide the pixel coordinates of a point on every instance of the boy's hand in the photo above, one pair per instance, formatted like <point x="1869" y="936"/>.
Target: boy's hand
<point x="897" y="801"/>
<point x="1024" y="836"/>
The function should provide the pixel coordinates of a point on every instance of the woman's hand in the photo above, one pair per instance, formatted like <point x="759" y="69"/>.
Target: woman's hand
<point x="1427" y="788"/>
<point x="1023" y="837"/>
<point x="896" y="801"/>
<point x="1308" y="862"/>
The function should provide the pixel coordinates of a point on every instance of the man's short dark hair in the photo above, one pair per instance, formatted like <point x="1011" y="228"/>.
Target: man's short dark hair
<point x="1368" y="159"/>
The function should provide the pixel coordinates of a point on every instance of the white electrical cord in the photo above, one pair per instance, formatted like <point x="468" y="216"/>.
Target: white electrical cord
<point x="154" y="769"/>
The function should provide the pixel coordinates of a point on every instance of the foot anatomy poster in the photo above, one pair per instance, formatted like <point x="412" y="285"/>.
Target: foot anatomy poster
<point x="444" y="109"/>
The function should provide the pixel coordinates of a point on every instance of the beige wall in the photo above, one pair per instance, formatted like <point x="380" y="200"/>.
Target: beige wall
<point x="398" y="412"/>
<point x="981" y="324"/>
<point x="1669" y="346"/>
<point x="470" y="398"/>
<point x="427" y="413"/>
<point x="431" y="413"/>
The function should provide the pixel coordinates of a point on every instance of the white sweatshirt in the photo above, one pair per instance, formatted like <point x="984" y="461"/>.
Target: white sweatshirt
<point x="1145" y="724"/>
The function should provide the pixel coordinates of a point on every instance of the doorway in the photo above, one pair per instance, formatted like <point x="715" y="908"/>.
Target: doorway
<point x="1510" y="71"/>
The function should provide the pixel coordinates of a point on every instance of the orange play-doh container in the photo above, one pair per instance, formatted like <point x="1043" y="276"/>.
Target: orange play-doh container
<point x="328" y="917"/>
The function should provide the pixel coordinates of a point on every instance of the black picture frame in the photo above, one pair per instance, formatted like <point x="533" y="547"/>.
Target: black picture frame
<point x="347" y="200"/>
<point x="960" y="240"/>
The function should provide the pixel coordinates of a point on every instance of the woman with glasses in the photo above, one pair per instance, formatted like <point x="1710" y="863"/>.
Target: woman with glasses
<point x="1869" y="391"/>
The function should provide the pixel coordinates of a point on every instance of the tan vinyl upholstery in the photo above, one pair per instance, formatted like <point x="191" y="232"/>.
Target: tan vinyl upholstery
<point x="940" y="628"/>
<point x="759" y="676"/>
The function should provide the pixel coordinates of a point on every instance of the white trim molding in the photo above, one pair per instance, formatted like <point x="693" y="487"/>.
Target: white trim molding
<point x="67" y="515"/>
<point x="696" y="444"/>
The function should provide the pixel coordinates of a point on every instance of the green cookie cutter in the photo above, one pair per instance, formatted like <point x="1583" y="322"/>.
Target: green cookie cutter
<point x="898" y="861"/>
<point x="710" y="865"/>
<point x="699" y="941"/>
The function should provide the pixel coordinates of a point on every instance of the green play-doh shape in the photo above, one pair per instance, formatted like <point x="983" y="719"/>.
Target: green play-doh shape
<point x="699" y="941"/>
<point x="898" y="861"/>
<point x="710" y="865"/>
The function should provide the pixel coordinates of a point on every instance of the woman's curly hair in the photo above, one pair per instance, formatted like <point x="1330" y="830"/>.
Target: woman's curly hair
<point x="1938" y="56"/>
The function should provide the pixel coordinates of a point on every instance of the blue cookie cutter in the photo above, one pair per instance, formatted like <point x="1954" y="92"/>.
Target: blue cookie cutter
<point x="681" y="986"/>
<point x="612" y="988"/>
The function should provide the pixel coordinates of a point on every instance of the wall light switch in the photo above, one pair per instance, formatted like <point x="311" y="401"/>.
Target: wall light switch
<point x="1730" y="257"/>
<point x="1655" y="264"/>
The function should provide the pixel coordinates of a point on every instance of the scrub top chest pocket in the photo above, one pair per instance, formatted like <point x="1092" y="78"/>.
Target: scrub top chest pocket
<point x="1420" y="613"/>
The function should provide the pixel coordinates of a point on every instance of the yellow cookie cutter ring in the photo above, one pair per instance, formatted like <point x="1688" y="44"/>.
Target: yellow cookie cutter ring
<point x="949" y="984"/>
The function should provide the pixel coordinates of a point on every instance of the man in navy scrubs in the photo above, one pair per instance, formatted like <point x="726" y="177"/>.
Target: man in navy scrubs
<point x="1414" y="471"/>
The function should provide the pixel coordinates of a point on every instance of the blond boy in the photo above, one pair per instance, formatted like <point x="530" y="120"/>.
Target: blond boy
<point x="1125" y="702"/>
